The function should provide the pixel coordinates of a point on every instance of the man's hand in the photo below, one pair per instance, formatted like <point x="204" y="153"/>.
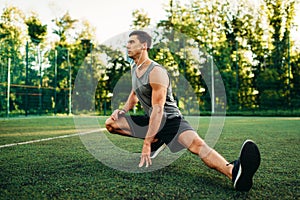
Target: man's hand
<point x="116" y="114"/>
<point x="145" y="158"/>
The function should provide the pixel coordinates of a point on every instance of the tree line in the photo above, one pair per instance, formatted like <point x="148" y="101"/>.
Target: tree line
<point x="252" y="49"/>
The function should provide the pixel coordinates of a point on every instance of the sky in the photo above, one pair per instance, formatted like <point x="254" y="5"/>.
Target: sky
<point x="109" y="17"/>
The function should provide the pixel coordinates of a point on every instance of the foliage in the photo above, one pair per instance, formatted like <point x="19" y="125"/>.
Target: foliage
<point x="251" y="47"/>
<point x="36" y="30"/>
<point x="11" y="42"/>
<point x="64" y="26"/>
<point x="236" y="40"/>
<point x="140" y="19"/>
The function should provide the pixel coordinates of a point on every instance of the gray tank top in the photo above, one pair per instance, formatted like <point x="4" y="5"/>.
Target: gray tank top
<point x="143" y="91"/>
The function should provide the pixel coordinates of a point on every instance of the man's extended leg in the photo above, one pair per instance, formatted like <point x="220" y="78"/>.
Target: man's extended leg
<point x="209" y="156"/>
<point x="240" y="172"/>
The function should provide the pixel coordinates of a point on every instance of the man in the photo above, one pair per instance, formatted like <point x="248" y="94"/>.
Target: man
<point x="164" y="124"/>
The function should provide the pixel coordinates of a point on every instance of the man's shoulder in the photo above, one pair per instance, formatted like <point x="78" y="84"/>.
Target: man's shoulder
<point x="159" y="75"/>
<point x="158" y="69"/>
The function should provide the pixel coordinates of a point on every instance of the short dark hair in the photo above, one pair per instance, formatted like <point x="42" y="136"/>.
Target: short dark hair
<point x="143" y="37"/>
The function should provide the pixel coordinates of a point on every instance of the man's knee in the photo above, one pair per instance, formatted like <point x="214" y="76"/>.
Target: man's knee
<point x="192" y="141"/>
<point x="109" y="125"/>
<point x="199" y="147"/>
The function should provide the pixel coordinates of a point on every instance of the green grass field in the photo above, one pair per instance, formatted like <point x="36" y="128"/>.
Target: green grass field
<point x="62" y="168"/>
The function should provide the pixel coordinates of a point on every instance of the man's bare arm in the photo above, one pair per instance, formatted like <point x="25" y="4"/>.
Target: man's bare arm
<point x="159" y="81"/>
<point x="131" y="101"/>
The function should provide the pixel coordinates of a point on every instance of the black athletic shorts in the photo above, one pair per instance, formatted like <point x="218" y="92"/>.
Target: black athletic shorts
<point x="168" y="132"/>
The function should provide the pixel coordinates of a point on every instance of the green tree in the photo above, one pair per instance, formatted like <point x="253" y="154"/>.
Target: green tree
<point x="295" y="81"/>
<point x="80" y="49"/>
<point x="37" y="33"/>
<point x="203" y="21"/>
<point x="11" y="41"/>
<point x="36" y="30"/>
<point x="259" y="49"/>
<point x="64" y="26"/>
<point x="114" y="71"/>
<point x="140" y="19"/>
<point x="237" y="41"/>
<point x="289" y="11"/>
<point x="61" y="56"/>
<point x="281" y="18"/>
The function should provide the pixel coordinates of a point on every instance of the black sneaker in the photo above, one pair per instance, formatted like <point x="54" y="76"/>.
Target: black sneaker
<point x="156" y="148"/>
<point x="245" y="167"/>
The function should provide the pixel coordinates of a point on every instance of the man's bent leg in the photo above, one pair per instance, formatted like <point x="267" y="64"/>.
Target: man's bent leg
<point x="196" y="145"/>
<point x="119" y="126"/>
<point x="122" y="127"/>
